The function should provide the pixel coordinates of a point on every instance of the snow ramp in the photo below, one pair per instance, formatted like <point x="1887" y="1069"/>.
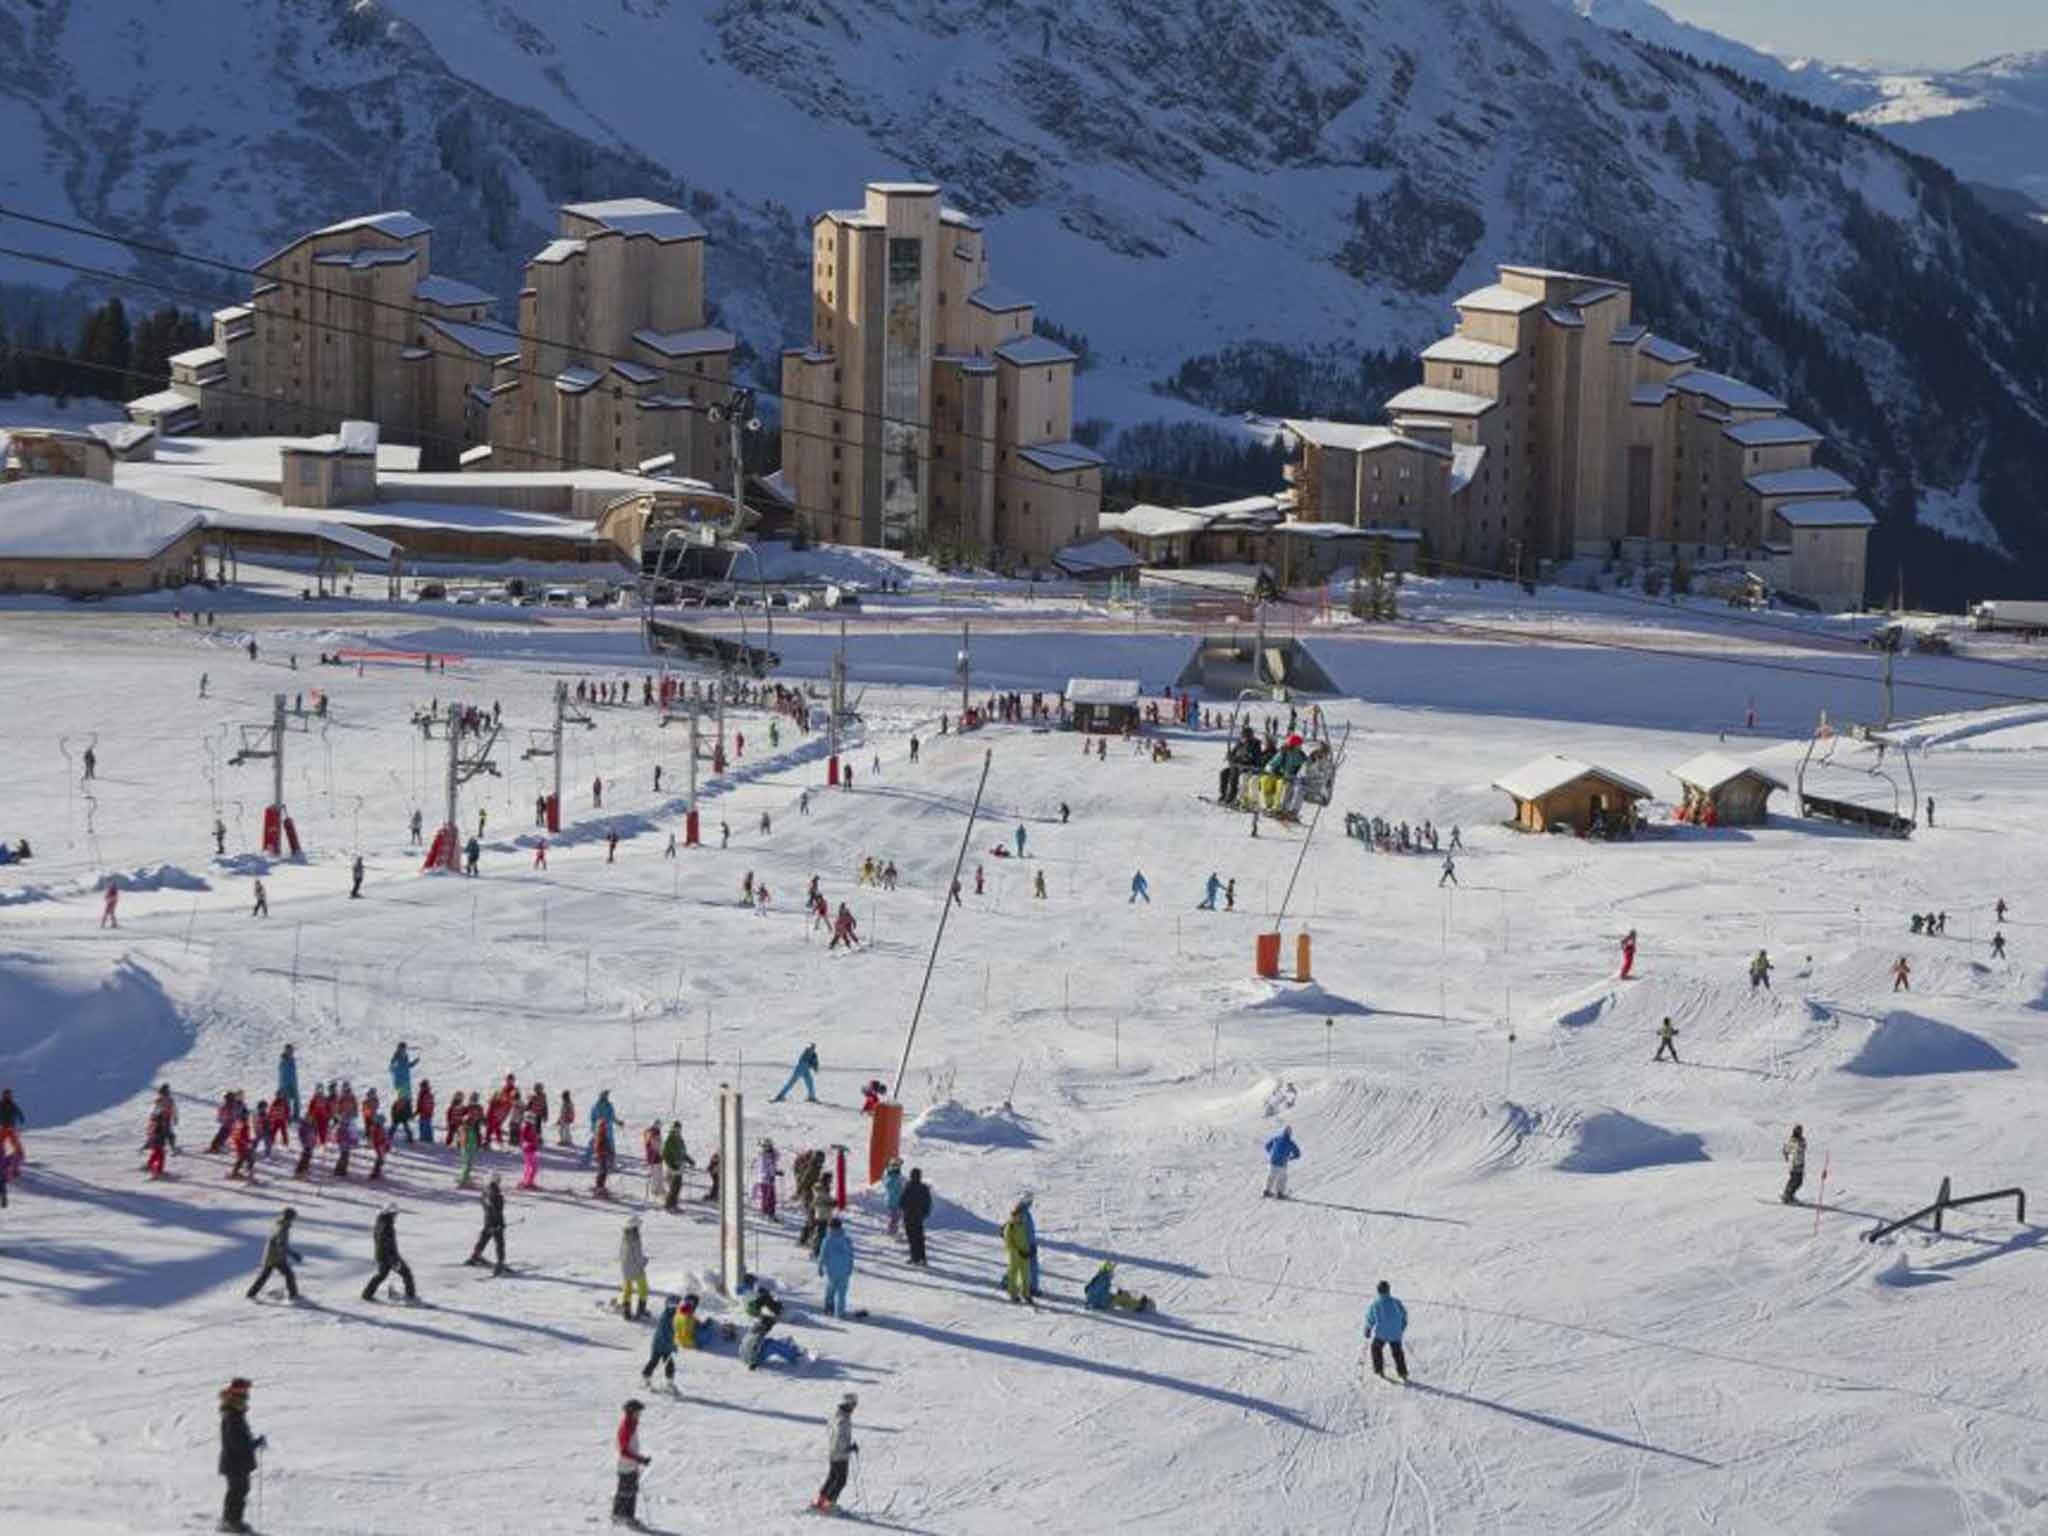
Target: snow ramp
<point x="71" y="1046"/>
<point x="1912" y="1045"/>
<point x="1609" y="1141"/>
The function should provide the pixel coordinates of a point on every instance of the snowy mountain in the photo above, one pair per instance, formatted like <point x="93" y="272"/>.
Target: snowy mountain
<point x="1313" y="178"/>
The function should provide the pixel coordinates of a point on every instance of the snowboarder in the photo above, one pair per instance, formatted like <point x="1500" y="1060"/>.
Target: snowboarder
<point x="835" y="1263"/>
<point x="1902" y="975"/>
<point x="1667" y="1041"/>
<point x="627" y="1498"/>
<point x="632" y="1269"/>
<point x="802" y="1072"/>
<point x="262" y="907"/>
<point x="493" y="1232"/>
<point x="917" y="1210"/>
<point x="1760" y="971"/>
<point x="384" y="1244"/>
<point x="1628" y="953"/>
<point x="355" y="879"/>
<point x="1386" y="1321"/>
<point x="238" y="1450"/>
<point x="1140" y="888"/>
<point x="1017" y="1257"/>
<point x="279" y="1256"/>
<point x="1450" y="873"/>
<point x="1795" y="1159"/>
<point x="840" y="1449"/>
<point x="1210" y="892"/>
<point x="1280" y="1151"/>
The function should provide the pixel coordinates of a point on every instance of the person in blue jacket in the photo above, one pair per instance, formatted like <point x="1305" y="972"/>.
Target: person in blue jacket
<point x="835" y="1263"/>
<point x="1103" y="1293"/>
<point x="802" y="1072"/>
<point x="1386" y="1322"/>
<point x="1210" y="892"/>
<point x="892" y="1189"/>
<point x="1280" y="1151"/>
<point x="601" y="1110"/>
<point x="402" y="1064"/>
<point x="1020" y="839"/>
<point x="288" y="1081"/>
<point x="1030" y="1221"/>
<point x="1141" y="889"/>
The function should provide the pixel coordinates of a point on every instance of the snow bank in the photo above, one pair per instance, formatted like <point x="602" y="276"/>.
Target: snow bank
<point x="997" y="1126"/>
<point x="156" y="877"/>
<point x="1310" y="998"/>
<point x="1586" y="1013"/>
<point x="25" y="895"/>
<point x="1611" y="1142"/>
<point x="70" y="1050"/>
<point x="1909" y="1045"/>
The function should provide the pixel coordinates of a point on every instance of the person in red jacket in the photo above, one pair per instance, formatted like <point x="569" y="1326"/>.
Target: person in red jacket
<point x="626" y="1500"/>
<point x="424" y="1108"/>
<point x="280" y="1121"/>
<point x="455" y="1115"/>
<point x="318" y="1112"/>
<point x="380" y="1143"/>
<point x="158" y="1141"/>
<point x="1628" y="953"/>
<point x="244" y="1146"/>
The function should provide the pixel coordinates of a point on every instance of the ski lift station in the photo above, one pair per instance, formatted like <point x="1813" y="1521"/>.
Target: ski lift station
<point x="1103" y="705"/>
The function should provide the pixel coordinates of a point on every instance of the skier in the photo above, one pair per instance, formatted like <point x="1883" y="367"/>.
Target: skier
<point x="156" y="1141"/>
<point x="1998" y="945"/>
<point x="892" y="1193"/>
<point x="1210" y="892"/>
<point x="1795" y="1158"/>
<point x="627" y="1498"/>
<point x="1280" y="1151"/>
<point x="1024" y="1205"/>
<point x="1020" y="839"/>
<point x="203" y="680"/>
<point x="529" y="1151"/>
<point x="91" y="762"/>
<point x="806" y="1065"/>
<point x="767" y="1170"/>
<point x="2000" y="909"/>
<point x="423" y="1109"/>
<point x="1457" y="841"/>
<point x="1140" y="888"/>
<point x="840" y="1448"/>
<point x="1628" y="953"/>
<point x="384" y="1242"/>
<point x="917" y="1210"/>
<point x="661" y="1348"/>
<point x="416" y="824"/>
<point x="1760" y="971"/>
<point x="602" y="1145"/>
<point x="1103" y="1293"/>
<point x="107" y="917"/>
<point x="471" y="852"/>
<point x="1930" y="801"/>
<point x="819" y="1216"/>
<point x="597" y="793"/>
<point x="238" y="1450"/>
<point x="1450" y="874"/>
<point x="402" y="1063"/>
<point x="565" y="1122"/>
<point x="279" y="1256"/>
<point x="632" y="1269"/>
<point x="835" y="1263"/>
<point x="843" y="929"/>
<point x="1902" y="975"/>
<point x="1038" y="885"/>
<point x="1017" y="1257"/>
<point x="220" y="838"/>
<point x="600" y="1112"/>
<point x="243" y="1144"/>
<point x="675" y="1157"/>
<point x="262" y="907"/>
<point x="355" y="881"/>
<point x="540" y="853"/>
<point x="1386" y="1321"/>
<point x="1230" y="895"/>
<point x="1667" y="1041"/>
<point x="611" y="846"/>
<point x="493" y="1231"/>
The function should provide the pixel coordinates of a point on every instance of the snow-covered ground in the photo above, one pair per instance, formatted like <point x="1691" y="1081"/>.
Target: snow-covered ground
<point x="1615" y="1325"/>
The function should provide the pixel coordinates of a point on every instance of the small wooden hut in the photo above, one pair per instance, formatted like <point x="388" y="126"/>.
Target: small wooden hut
<point x="1103" y="705"/>
<point x="1719" y="791"/>
<point x="1562" y="792"/>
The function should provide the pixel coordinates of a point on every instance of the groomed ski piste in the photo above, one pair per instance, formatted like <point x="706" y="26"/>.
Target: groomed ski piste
<point x="1615" y="1325"/>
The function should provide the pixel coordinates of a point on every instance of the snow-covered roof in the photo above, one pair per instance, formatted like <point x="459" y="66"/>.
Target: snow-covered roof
<point x="1031" y="351"/>
<point x="1062" y="457"/>
<point x="1771" y="432"/>
<point x="486" y="338"/>
<point x="705" y="338"/>
<point x="1710" y="770"/>
<point x="1146" y="521"/>
<point x="639" y="216"/>
<point x="164" y="402"/>
<point x="198" y="357"/>
<point x="1664" y="350"/>
<point x="1496" y="298"/>
<point x="560" y="250"/>
<point x="1733" y="393"/>
<point x="341" y="535"/>
<point x="1103" y="554"/>
<point x="1103" y="690"/>
<point x="1467" y="349"/>
<point x="959" y="220"/>
<point x="1466" y="460"/>
<point x="1829" y="512"/>
<point x="1566" y="316"/>
<point x="1244" y="510"/>
<point x="997" y="299"/>
<point x="574" y="381"/>
<point x="118" y="435"/>
<point x="1392" y="535"/>
<point x="1427" y="400"/>
<point x="234" y="314"/>
<point x="1352" y="437"/>
<point x="905" y="188"/>
<point x="1534" y="780"/>
<point x="448" y="290"/>
<point x="364" y="256"/>
<point x="1522" y="269"/>
<point x="73" y="519"/>
<point x="399" y="224"/>
<point x="353" y="437"/>
<point x="1319" y="529"/>
<point x="1810" y="481"/>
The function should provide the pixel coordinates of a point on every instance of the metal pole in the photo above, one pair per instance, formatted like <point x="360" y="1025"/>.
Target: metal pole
<point x="966" y="665"/>
<point x="277" y="762"/>
<point x="966" y="834"/>
<point x="561" y="709"/>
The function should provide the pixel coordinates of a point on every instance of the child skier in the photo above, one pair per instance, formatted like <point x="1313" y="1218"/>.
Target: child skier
<point x="840" y="1447"/>
<point x="1386" y="1322"/>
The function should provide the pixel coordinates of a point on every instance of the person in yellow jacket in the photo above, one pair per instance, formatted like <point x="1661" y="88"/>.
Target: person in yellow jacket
<point x="1018" y="1251"/>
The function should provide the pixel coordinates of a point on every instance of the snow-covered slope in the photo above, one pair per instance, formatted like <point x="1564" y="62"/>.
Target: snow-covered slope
<point x="1170" y="180"/>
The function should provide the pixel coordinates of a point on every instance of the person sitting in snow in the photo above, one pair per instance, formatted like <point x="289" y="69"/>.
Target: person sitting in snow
<point x="1102" y="1293"/>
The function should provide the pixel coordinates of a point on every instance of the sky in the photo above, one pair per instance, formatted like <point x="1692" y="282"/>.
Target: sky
<point x="1906" y="32"/>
